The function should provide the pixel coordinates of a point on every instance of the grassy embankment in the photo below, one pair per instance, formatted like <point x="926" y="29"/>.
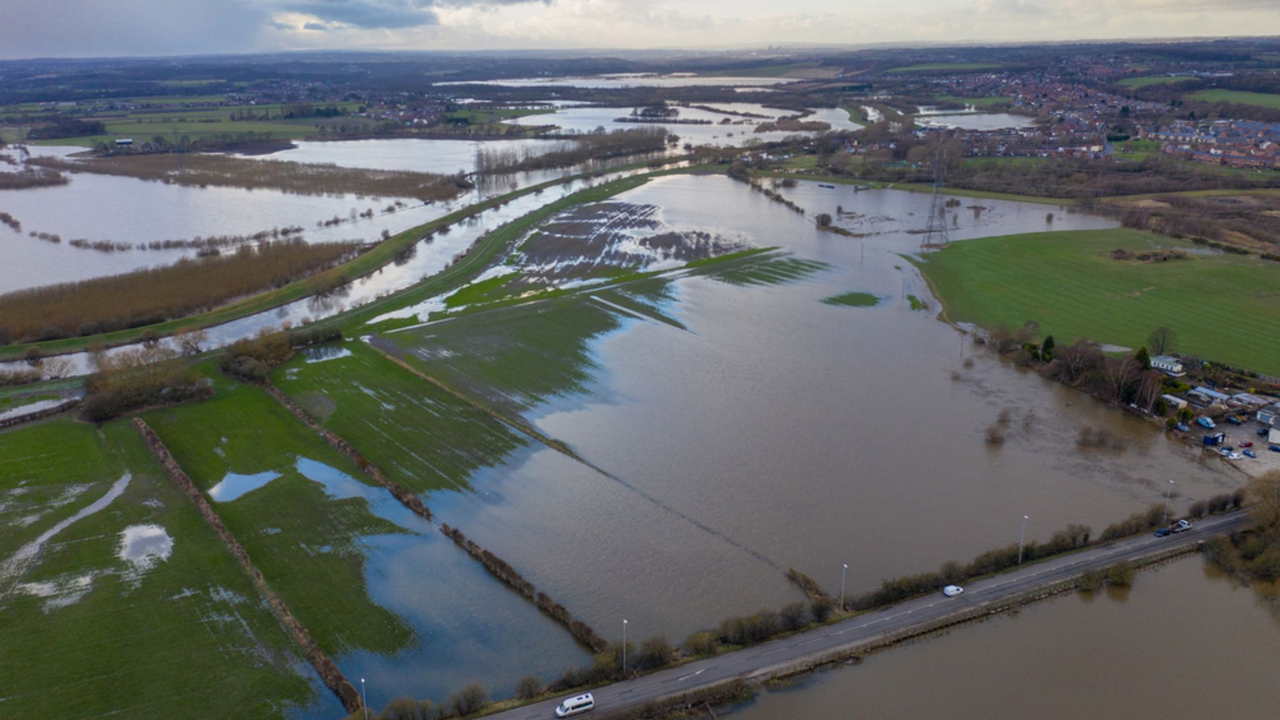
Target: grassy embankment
<point x="186" y="638"/>
<point x="419" y="435"/>
<point x="384" y="253"/>
<point x="1238" y="97"/>
<point x="306" y="543"/>
<point x="1222" y="307"/>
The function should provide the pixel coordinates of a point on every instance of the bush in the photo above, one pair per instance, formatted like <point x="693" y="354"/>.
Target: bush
<point x="1134" y="524"/>
<point x="654" y="653"/>
<point x="792" y="616"/>
<point x="528" y="687"/>
<point x="1091" y="580"/>
<point x="470" y="699"/>
<point x="1121" y="574"/>
<point x="702" y="644"/>
<point x="406" y="708"/>
<point x="1198" y="509"/>
<point x="822" y="608"/>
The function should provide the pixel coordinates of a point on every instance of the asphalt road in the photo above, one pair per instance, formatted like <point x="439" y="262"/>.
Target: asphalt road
<point x="761" y="661"/>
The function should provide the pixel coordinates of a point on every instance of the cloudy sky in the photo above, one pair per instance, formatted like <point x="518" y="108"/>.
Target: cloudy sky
<point x="56" y="28"/>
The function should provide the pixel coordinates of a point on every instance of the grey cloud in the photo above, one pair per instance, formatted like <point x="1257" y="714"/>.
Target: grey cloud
<point x="385" y="14"/>
<point x="318" y="27"/>
<point x="79" y="28"/>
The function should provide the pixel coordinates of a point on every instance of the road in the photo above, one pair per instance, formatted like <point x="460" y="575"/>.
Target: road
<point x="760" y="662"/>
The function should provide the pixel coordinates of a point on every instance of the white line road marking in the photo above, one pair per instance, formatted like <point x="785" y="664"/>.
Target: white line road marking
<point x="693" y="674"/>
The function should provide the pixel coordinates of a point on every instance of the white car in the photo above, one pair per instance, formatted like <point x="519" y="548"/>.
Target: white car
<point x="952" y="590"/>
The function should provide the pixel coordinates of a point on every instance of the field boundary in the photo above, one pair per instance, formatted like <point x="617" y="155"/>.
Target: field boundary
<point x="325" y="667"/>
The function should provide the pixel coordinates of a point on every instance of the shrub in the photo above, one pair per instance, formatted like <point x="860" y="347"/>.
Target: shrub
<point x="1198" y="509"/>
<point x="406" y="708"/>
<point x="1091" y="580"/>
<point x="1121" y="574"/>
<point x="702" y="644"/>
<point x="470" y="699"/>
<point x="528" y="687"/>
<point x="654" y="653"/>
<point x="33" y="356"/>
<point x="792" y="616"/>
<point x="822" y="608"/>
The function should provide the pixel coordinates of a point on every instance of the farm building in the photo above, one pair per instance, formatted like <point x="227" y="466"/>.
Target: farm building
<point x="1169" y="365"/>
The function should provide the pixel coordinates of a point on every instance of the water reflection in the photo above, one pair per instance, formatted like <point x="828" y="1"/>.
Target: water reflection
<point x="1182" y="645"/>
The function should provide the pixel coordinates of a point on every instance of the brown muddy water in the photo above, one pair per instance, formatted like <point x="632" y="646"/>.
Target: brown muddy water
<point x="777" y="431"/>
<point x="1183" y="642"/>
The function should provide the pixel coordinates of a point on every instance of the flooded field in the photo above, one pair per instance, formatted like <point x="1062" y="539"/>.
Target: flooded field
<point x="626" y="80"/>
<point x="738" y="131"/>
<point x="975" y="120"/>
<point x="733" y="409"/>
<point x="431" y="156"/>
<point x="1183" y="642"/>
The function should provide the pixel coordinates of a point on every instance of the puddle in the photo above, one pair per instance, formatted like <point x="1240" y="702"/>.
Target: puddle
<point x="15" y="565"/>
<point x="30" y="408"/>
<point x="234" y="485"/>
<point x="60" y="593"/>
<point x="320" y="354"/>
<point x="144" y="546"/>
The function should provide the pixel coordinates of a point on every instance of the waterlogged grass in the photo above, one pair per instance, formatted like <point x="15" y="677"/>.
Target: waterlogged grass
<point x="516" y="357"/>
<point x="647" y="298"/>
<point x="853" y="299"/>
<point x="186" y="636"/>
<point x="1239" y="97"/>
<point x="775" y="270"/>
<point x="306" y="543"/>
<point x="917" y="305"/>
<point x="418" y="434"/>
<point x="1223" y="307"/>
<point x="479" y="292"/>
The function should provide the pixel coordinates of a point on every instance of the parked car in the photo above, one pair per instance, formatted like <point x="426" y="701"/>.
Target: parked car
<point x="1246" y="443"/>
<point x="1206" y="422"/>
<point x="1235" y="420"/>
<point x="1264" y="430"/>
<point x="952" y="590"/>
<point x="1235" y="456"/>
<point x="1163" y="532"/>
<point x="1182" y="428"/>
<point x="1250" y="454"/>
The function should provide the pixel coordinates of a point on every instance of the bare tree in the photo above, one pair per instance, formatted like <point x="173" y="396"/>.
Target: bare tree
<point x="1162" y="340"/>
<point x="1075" y="361"/>
<point x="1119" y="377"/>
<point x="191" y="342"/>
<point x="1264" y="500"/>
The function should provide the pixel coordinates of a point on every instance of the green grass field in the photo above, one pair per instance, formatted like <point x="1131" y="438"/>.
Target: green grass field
<point x="1224" y="308"/>
<point x="1136" y="149"/>
<point x="981" y="102"/>
<point x="1145" y="80"/>
<point x="1237" y="96"/>
<point x="943" y="67"/>
<point x="306" y="543"/>
<point x="86" y="633"/>
<point x="418" y="434"/>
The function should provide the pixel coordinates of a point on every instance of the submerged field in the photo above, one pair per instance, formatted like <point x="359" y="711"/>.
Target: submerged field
<point x="134" y="606"/>
<point x="1223" y="307"/>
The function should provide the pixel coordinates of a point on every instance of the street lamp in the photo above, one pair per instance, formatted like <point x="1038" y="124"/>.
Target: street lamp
<point x="364" y="699"/>
<point x="624" y="648"/>
<point x="842" y="572"/>
<point x="1168" y="496"/>
<point x="1023" y="539"/>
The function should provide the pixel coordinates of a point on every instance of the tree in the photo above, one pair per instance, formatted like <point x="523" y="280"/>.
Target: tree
<point x="822" y="608"/>
<point x="701" y="643"/>
<point x="1263" y="493"/>
<point x="1143" y="358"/>
<point x="792" y="615"/>
<point x="1120" y="376"/>
<point x="470" y="699"/>
<point x="1047" y="349"/>
<point x="823" y="220"/>
<point x="1162" y="340"/>
<point x="191" y="342"/>
<point x="1121" y="574"/>
<point x="528" y="688"/>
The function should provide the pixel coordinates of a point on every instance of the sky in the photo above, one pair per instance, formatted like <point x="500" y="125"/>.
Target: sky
<point x="80" y="28"/>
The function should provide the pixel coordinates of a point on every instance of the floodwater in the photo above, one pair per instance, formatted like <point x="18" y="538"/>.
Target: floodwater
<point x="739" y="132"/>
<point x="428" y="258"/>
<point x="778" y="431"/>
<point x="627" y="80"/>
<point x="1183" y="642"/>
<point x="975" y="120"/>
<point x="445" y="157"/>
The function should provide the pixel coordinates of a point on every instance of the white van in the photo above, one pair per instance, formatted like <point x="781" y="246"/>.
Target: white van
<point x="576" y="705"/>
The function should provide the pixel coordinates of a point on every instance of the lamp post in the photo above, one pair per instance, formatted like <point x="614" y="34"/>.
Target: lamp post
<point x="1023" y="539"/>
<point x="1168" y="496"/>
<point x="624" y="649"/>
<point x="842" y="573"/>
<point x="364" y="700"/>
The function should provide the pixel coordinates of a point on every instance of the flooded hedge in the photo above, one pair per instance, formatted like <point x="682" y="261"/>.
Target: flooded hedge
<point x="507" y="574"/>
